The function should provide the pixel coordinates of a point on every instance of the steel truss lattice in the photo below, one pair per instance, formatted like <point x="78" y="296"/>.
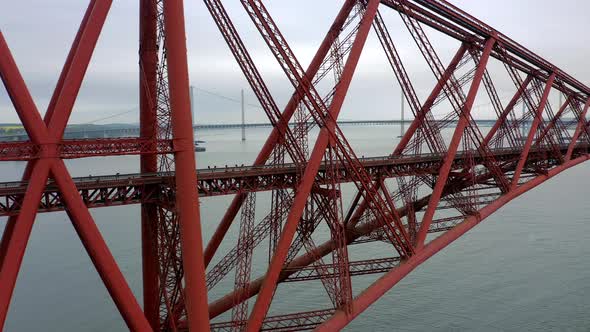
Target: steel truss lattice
<point x="429" y="184"/>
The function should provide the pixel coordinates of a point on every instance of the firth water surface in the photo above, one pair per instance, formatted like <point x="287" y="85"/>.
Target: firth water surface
<point x="526" y="268"/>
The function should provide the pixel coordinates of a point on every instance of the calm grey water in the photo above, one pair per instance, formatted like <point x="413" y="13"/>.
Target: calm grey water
<point x="526" y="268"/>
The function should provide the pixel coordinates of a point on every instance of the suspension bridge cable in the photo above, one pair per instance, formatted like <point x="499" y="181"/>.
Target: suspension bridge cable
<point x="226" y="97"/>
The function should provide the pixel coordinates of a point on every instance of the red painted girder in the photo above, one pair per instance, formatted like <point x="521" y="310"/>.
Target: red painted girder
<point x="370" y="266"/>
<point x="426" y="108"/>
<point x="322" y="114"/>
<point x="461" y="27"/>
<point x="509" y="108"/>
<point x="186" y="202"/>
<point x="26" y="108"/>
<point x="324" y="119"/>
<point x="558" y="133"/>
<point x="250" y="71"/>
<point x="582" y="124"/>
<point x="452" y="13"/>
<point x="268" y="29"/>
<point x="123" y="189"/>
<point x="513" y="137"/>
<point x="16" y="242"/>
<point x="454" y="144"/>
<point x="20" y="95"/>
<point x="261" y="231"/>
<point x="148" y="130"/>
<point x="98" y="251"/>
<point x="436" y="143"/>
<point x="49" y="136"/>
<point x="85" y="148"/>
<point x="532" y="131"/>
<point x="578" y="109"/>
<point x="275" y="135"/>
<point x="454" y="92"/>
<point x="258" y="86"/>
<point x="30" y="117"/>
<point x="354" y="233"/>
<point x="548" y="112"/>
<point x="390" y="279"/>
<point x="301" y="321"/>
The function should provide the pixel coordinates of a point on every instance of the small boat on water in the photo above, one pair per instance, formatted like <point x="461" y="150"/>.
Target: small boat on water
<point x="199" y="148"/>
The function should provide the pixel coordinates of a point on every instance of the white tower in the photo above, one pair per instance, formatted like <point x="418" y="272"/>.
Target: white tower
<point x="403" y="123"/>
<point x="193" y="104"/>
<point x="243" y="118"/>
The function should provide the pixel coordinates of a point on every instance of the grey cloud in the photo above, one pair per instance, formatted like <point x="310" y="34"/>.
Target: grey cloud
<point x="40" y="32"/>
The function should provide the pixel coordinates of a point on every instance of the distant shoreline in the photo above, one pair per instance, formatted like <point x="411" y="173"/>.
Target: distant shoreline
<point x="15" y="132"/>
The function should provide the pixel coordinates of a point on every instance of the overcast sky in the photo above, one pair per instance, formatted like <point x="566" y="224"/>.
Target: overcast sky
<point x="39" y="33"/>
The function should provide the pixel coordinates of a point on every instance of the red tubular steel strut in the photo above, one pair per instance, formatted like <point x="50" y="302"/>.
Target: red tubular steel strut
<point x="22" y="100"/>
<point x="532" y="131"/>
<point x="453" y="146"/>
<point x="425" y="109"/>
<point x="340" y="319"/>
<point x="436" y="144"/>
<point x="186" y="193"/>
<point x="419" y="120"/>
<point x="581" y="124"/>
<point x="264" y="24"/>
<point x="353" y="234"/>
<point x="470" y="177"/>
<point x="296" y="149"/>
<point x="509" y="108"/>
<point x="49" y="135"/>
<point x="148" y="63"/>
<point x="315" y="105"/>
<point x="454" y="92"/>
<point x="168" y="243"/>
<point x="275" y="136"/>
<point x="554" y="128"/>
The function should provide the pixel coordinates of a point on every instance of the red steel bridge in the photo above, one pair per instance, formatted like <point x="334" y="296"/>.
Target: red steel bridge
<point x="443" y="178"/>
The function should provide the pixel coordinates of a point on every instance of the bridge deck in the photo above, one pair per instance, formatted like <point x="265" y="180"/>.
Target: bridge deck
<point x="123" y="189"/>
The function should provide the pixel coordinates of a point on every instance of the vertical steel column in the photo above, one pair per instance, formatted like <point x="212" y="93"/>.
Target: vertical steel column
<point x="148" y="126"/>
<point x="453" y="146"/>
<point x="532" y="131"/>
<point x="265" y="296"/>
<point x="186" y="193"/>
